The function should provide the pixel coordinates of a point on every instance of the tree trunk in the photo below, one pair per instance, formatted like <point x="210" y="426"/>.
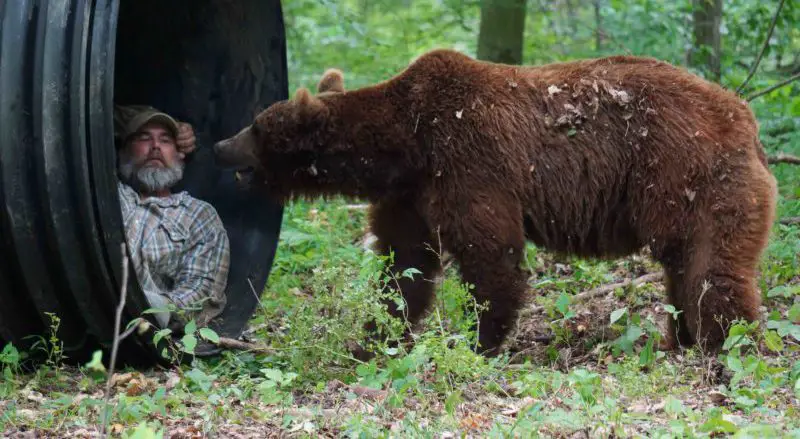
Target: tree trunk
<point x="501" y="31"/>
<point x="707" y="15"/>
<point x="598" y="27"/>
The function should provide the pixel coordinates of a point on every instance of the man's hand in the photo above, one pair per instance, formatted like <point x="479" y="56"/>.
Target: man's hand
<point x="186" y="140"/>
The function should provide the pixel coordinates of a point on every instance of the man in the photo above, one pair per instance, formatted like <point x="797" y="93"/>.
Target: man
<point x="178" y="245"/>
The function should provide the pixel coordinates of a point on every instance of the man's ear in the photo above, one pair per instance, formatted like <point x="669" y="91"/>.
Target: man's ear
<point x="332" y="81"/>
<point x="309" y="109"/>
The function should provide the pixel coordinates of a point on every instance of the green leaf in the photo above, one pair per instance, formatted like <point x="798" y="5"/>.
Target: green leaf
<point x="189" y="343"/>
<point x="562" y="303"/>
<point x="773" y="341"/>
<point x="734" y="362"/>
<point x="786" y="291"/>
<point x="273" y="374"/>
<point x="410" y="272"/>
<point x="96" y="363"/>
<point x="797" y="388"/>
<point x="718" y="424"/>
<point x="190" y="327"/>
<point x="161" y="334"/>
<point x="673" y="406"/>
<point x="617" y="314"/>
<point x="647" y="355"/>
<point x="209" y="334"/>
<point x="794" y="313"/>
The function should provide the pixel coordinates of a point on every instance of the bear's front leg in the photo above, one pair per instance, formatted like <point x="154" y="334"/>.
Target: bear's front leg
<point x="400" y="229"/>
<point x="487" y="240"/>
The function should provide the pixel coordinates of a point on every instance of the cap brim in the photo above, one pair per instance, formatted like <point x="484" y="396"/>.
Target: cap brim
<point x="143" y="119"/>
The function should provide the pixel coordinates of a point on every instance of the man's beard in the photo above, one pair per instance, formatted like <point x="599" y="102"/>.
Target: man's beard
<point x="150" y="178"/>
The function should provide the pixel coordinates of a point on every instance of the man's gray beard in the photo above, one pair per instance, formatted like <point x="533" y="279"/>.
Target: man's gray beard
<point x="151" y="179"/>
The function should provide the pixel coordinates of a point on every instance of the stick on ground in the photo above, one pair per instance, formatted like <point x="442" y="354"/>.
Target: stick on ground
<point x="230" y="343"/>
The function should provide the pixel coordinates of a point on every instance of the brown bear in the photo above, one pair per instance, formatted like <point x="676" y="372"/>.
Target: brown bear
<point x="595" y="158"/>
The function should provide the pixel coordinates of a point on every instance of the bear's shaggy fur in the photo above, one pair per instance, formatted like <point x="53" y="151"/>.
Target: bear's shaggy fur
<point x="596" y="158"/>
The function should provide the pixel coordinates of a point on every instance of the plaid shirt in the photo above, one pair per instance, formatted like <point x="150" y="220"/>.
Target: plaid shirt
<point x="179" y="249"/>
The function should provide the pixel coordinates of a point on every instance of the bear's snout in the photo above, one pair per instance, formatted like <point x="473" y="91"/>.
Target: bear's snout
<point x="234" y="152"/>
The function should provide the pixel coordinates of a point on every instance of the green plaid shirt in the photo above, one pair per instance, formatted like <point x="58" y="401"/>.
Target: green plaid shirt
<point x="179" y="249"/>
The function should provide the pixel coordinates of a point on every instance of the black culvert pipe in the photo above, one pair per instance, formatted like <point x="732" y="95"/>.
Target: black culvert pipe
<point x="63" y="65"/>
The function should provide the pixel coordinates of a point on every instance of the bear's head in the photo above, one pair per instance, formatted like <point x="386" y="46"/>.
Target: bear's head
<point x="288" y="127"/>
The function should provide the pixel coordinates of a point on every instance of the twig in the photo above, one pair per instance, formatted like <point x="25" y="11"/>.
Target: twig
<point x="356" y="206"/>
<point x="783" y="158"/>
<point x="115" y="346"/>
<point x="774" y="87"/>
<point x="306" y="413"/>
<point x="791" y="221"/>
<point x="763" y="48"/>
<point x="130" y="330"/>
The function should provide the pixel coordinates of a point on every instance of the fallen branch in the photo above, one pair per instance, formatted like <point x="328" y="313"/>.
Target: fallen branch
<point x="605" y="289"/>
<point x="783" y="158"/>
<point x="763" y="48"/>
<point x="230" y="343"/>
<point x="774" y="87"/>
<point x="795" y="220"/>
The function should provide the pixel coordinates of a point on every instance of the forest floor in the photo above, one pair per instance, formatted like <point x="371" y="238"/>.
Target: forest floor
<point x="580" y="363"/>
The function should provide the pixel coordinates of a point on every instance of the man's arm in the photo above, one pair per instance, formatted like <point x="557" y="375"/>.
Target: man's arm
<point x="204" y="269"/>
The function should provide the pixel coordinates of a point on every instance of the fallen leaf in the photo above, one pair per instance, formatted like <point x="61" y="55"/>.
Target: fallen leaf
<point x="368" y="392"/>
<point x="173" y="379"/>
<point x="717" y="398"/>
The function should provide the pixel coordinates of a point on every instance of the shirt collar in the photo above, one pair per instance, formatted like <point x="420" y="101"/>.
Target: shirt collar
<point x="173" y="200"/>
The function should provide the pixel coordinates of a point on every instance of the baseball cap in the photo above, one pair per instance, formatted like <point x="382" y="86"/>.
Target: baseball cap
<point x="129" y="119"/>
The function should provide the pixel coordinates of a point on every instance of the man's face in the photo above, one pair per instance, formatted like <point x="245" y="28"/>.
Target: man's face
<point x="149" y="160"/>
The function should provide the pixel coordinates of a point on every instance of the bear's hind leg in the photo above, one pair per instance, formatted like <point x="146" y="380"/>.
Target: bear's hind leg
<point x="719" y="284"/>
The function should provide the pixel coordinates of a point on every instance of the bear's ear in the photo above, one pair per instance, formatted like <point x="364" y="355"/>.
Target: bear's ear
<point x="332" y="81"/>
<point x="308" y="108"/>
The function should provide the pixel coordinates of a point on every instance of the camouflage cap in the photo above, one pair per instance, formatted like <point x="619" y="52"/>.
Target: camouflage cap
<point x="131" y="118"/>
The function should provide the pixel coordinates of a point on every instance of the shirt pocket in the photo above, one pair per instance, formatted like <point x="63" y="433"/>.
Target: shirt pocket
<point x="175" y="238"/>
<point x="176" y="232"/>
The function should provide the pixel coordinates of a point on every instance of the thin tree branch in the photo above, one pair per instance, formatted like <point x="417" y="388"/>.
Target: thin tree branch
<point x="763" y="48"/>
<point x="783" y="158"/>
<point x="774" y="87"/>
<point x="791" y="221"/>
<point x="115" y="347"/>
